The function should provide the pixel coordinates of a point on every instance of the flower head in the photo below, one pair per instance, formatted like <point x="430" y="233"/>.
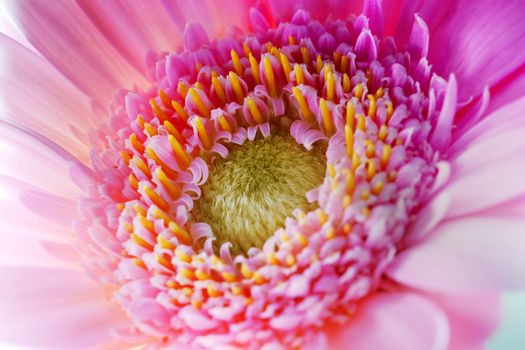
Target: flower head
<point x="281" y="184"/>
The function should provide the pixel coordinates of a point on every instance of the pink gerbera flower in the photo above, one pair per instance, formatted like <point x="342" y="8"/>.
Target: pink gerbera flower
<point x="257" y="175"/>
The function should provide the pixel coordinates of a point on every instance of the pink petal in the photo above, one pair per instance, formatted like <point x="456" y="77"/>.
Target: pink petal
<point x="479" y="41"/>
<point x="55" y="309"/>
<point x="466" y="255"/>
<point x="440" y="138"/>
<point x="216" y="17"/>
<point x="36" y="96"/>
<point x="35" y="161"/>
<point x="403" y="320"/>
<point x="488" y="163"/>
<point x="64" y="35"/>
<point x="472" y="318"/>
<point x="134" y="28"/>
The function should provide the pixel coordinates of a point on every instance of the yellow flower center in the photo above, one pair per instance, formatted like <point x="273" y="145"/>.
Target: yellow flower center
<point x="250" y="193"/>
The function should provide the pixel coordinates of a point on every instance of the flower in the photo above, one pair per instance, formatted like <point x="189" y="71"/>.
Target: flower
<point x="312" y="176"/>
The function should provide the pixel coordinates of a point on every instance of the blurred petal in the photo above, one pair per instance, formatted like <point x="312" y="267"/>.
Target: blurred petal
<point x="488" y="162"/>
<point x="65" y="36"/>
<point x="54" y="308"/>
<point x="472" y="318"/>
<point x="393" y="318"/>
<point x="135" y="28"/>
<point x="36" y="96"/>
<point x="479" y="41"/>
<point x="466" y="255"/>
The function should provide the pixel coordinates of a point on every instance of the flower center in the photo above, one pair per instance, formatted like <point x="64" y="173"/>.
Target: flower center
<point x="250" y="193"/>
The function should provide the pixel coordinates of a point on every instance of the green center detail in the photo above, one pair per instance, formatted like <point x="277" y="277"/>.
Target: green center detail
<point x="249" y="194"/>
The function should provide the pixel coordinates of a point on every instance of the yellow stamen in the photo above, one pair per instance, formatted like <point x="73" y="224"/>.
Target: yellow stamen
<point x="212" y="291"/>
<point x="187" y="273"/>
<point x="201" y="275"/>
<point x="203" y="134"/>
<point x="327" y="117"/>
<point x="164" y="262"/>
<point x="229" y="277"/>
<point x="246" y="272"/>
<point x="173" y="130"/>
<point x="182" y="89"/>
<point x="371" y="169"/>
<point x="299" y="75"/>
<point x="349" y="137"/>
<point x="179" y="110"/>
<point x="330" y="234"/>
<point x="133" y="181"/>
<point x="358" y="91"/>
<point x="291" y="40"/>
<point x="136" y="143"/>
<point x="361" y="122"/>
<point x="378" y="188"/>
<point x="236" y="86"/>
<point x="319" y="64"/>
<point x="272" y="258"/>
<point x="166" y="101"/>
<point x="182" y="235"/>
<point x="350" y="114"/>
<point x="356" y="161"/>
<point x="150" y="130"/>
<point x="180" y="155"/>
<point x="120" y="206"/>
<point x="139" y="263"/>
<point x="156" y="198"/>
<point x="344" y="63"/>
<point x="125" y="157"/>
<point x="141" y="242"/>
<point x="389" y="110"/>
<point x="139" y="163"/>
<point x="303" y="105"/>
<point x="301" y="239"/>
<point x="286" y="66"/>
<point x="246" y="49"/>
<point x="275" y="52"/>
<point x="160" y="214"/>
<point x="346" y="83"/>
<point x="148" y="225"/>
<point x="236" y="61"/>
<point x="305" y="54"/>
<point x="255" y="68"/>
<point x="157" y="110"/>
<point x="268" y="70"/>
<point x="205" y="112"/>
<point x="331" y="170"/>
<point x="254" y="111"/>
<point x="370" y="148"/>
<point x="173" y="191"/>
<point x="385" y="157"/>
<point x="380" y="92"/>
<point x="140" y="121"/>
<point x="182" y="256"/>
<point x="383" y="132"/>
<point x="330" y="85"/>
<point x="337" y="58"/>
<point x="219" y="90"/>
<point x="164" y="243"/>
<point x="140" y="210"/>
<point x="372" y="108"/>
<point x="151" y="153"/>
<point x="223" y="122"/>
<point x="290" y="260"/>
<point x="323" y="218"/>
<point x="350" y="182"/>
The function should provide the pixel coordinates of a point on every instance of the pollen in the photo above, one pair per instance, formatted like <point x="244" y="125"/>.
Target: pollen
<point x="251" y="192"/>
